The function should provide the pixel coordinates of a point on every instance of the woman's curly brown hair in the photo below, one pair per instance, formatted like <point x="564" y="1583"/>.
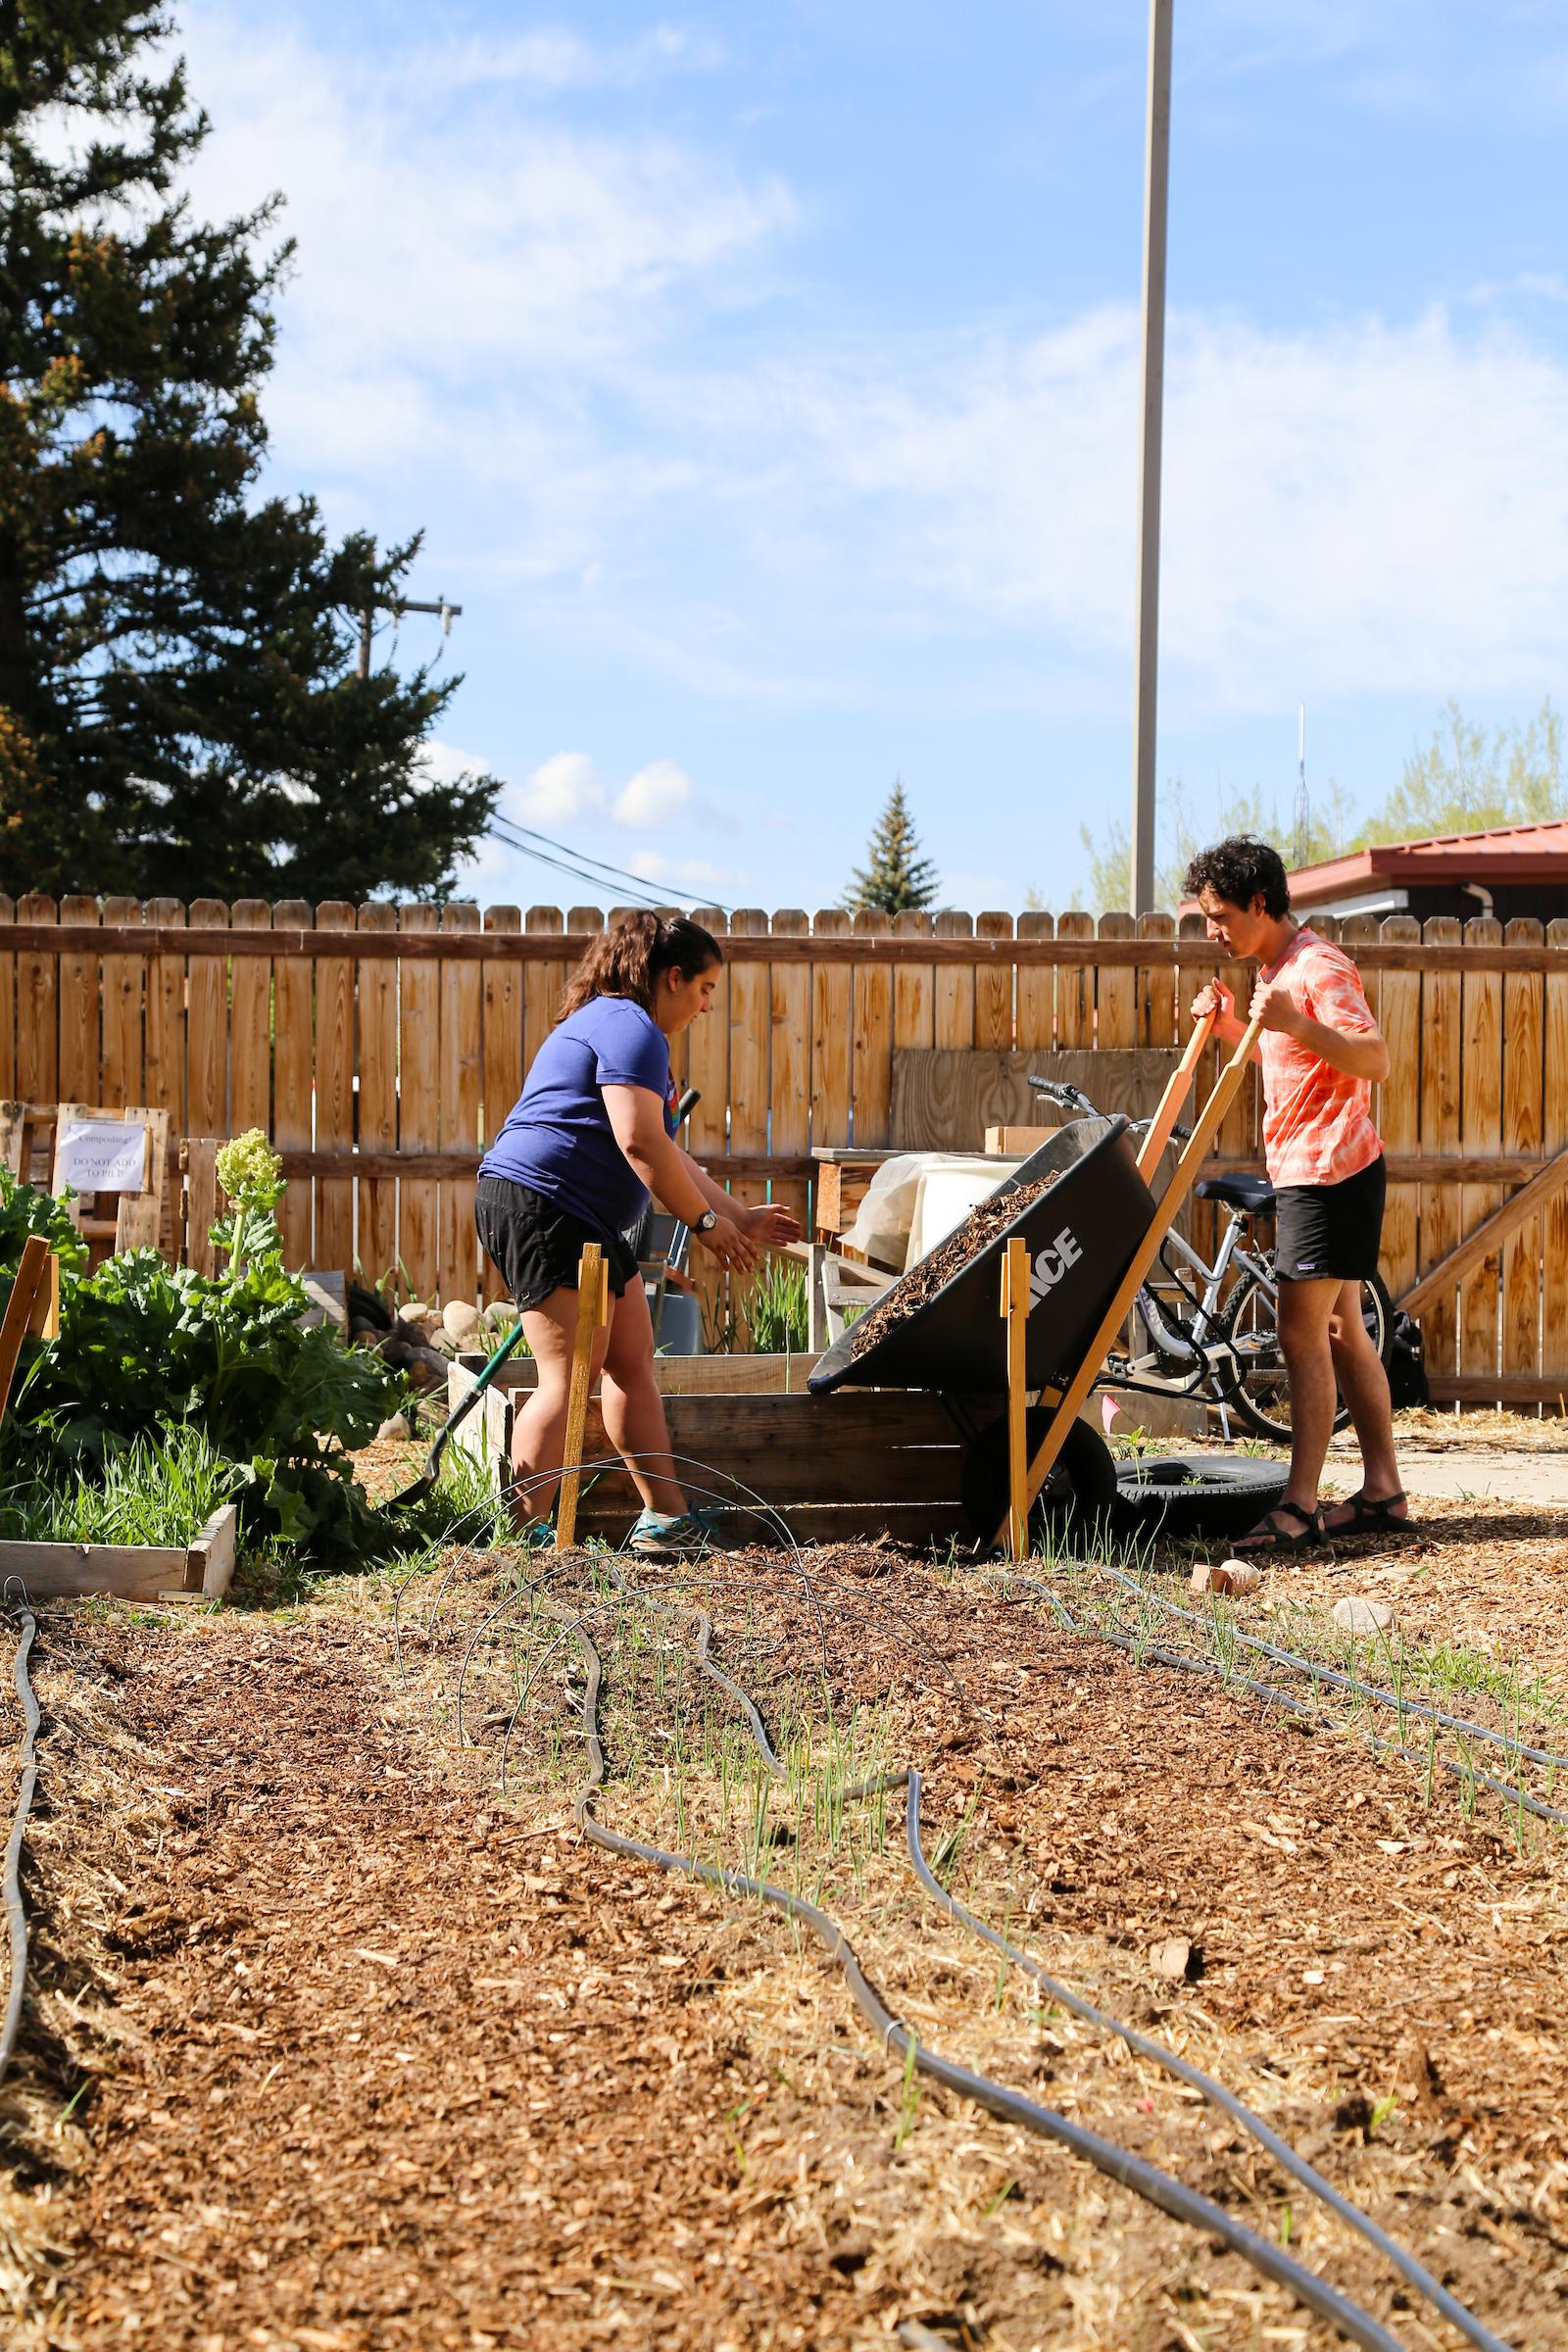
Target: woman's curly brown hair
<point x="627" y="960"/>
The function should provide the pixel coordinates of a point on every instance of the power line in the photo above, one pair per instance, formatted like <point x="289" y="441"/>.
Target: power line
<point x="615" y="873"/>
<point x="574" y="861"/>
<point x="521" y="834"/>
<point x="634" y="894"/>
<point x="561" y="866"/>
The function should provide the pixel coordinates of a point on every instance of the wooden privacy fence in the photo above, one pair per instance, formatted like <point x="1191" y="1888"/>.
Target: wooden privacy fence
<point x="382" y="1046"/>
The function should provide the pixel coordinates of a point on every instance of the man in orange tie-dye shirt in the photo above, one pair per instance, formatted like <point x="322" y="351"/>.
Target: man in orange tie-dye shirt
<point x="1322" y="1054"/>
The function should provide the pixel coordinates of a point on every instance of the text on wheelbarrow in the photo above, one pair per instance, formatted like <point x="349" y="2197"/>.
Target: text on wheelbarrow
<point x="1052" y="1264"/>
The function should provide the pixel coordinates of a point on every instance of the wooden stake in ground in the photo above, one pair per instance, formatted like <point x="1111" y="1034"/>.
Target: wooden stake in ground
<point x="32" y="1299"/>
<point x="593" y="1311"/>
<point x="1015" y="1308"/>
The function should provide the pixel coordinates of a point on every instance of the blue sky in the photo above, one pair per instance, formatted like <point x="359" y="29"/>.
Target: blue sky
<point x="765" y="383"/>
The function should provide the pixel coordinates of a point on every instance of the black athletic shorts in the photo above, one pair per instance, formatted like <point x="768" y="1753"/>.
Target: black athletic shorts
<point x="537" y="1245"/>
<point x="1327" y="1230"/>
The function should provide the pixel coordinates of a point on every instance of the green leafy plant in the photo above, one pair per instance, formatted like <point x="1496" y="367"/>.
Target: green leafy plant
<point x="146" y="1349"/>
<point x="719" y="1325"/>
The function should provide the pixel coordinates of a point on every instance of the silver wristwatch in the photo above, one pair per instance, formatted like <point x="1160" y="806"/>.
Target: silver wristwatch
<point x="706" y="1221"/>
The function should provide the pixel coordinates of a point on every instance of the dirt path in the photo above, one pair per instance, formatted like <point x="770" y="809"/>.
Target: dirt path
<point x="388" y="2063"/>
<point x="374" y="2067"/>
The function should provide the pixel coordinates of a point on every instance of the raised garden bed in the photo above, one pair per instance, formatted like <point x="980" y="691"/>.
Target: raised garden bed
<point x="201" y="1569"/>
<point x="836" y="1467"/>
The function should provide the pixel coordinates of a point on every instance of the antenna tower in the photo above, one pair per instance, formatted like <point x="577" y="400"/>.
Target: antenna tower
<point x="1301" y="847"/>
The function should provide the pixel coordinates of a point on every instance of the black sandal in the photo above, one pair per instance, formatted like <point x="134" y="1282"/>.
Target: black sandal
<point x="1269" y="1535"/>
<point x="1369" y="1517"/>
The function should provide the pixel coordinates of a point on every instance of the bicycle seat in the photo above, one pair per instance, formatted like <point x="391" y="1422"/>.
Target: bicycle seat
<point x="1254" y="1193"/>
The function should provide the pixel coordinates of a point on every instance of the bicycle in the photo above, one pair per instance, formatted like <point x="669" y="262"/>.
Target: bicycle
<point x="1215" y="1329"/>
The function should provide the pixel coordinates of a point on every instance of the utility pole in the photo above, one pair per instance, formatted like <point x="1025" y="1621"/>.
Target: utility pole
<point x="1145" y="677"/>
<point x="449" y="614"/>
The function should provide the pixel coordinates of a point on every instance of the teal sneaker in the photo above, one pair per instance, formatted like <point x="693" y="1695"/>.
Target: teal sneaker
<point x="658" y="1536"/>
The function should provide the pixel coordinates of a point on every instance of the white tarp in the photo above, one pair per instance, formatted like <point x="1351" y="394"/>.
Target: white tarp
<point x="894" y="1226"/>
<point x="104" y="1156"/>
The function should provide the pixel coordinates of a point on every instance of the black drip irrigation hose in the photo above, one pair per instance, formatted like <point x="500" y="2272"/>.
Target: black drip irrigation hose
<point x="1414" y="2273"/>
<point x="1408" y="2266"/>
<point x="1345" y="1682"/>
<point x="1156" y="2188"/>
<point x="1272" y="1695"/>
<point x="10" y="1881"/>
<point x="1507" y="1790"/>
<point x="758" y="1507"/>
<point x="1010" y="2105"/>
<point x="1405" y="2263"/>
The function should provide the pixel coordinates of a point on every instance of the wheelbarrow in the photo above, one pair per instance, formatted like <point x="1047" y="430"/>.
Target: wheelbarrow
<point x="1081" y="1248"/>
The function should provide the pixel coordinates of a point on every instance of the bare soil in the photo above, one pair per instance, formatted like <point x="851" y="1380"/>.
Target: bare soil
<point x="370" y="2052"/>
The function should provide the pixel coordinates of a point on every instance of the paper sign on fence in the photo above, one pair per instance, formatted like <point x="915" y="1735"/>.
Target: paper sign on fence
<point x="104" y="1156"/>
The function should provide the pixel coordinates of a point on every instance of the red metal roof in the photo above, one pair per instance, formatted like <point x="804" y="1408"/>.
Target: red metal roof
<point x="1508" y="854"/>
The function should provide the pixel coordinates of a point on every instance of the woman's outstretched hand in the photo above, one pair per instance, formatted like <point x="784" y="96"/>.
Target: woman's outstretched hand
<point x="732" y="1245"/>
<point x="772" y="1225"/>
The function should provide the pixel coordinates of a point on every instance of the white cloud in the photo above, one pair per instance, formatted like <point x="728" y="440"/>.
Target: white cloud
<point x="1367" y="507"/>
<point x="441" y="229"/>
<point x="687" y="874"/>
<point x="554" y="60"/>
<point x="566" y="789"/>
<point x="657" y="795"/>
<point x="569" y="798"/>
<point x="490" y="329"/>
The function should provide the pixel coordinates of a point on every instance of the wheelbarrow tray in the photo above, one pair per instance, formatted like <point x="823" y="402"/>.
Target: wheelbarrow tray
<point x="1081" y="1236"/>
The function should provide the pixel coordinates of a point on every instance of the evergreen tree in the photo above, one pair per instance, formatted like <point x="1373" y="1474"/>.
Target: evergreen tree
<point x="180" y="705"/>
<point x="896" y="878"/>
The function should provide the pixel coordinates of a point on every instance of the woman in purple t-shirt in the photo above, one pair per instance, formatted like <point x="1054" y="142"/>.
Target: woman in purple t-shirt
<point x="591" y="1135"/>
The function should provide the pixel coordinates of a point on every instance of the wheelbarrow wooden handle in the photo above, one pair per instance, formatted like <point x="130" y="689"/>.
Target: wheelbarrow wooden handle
<point x="1170" y="1201"/>
<point x="1177" y="1089"/>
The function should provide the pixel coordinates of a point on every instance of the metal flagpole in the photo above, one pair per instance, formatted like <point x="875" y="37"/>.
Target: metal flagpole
<point x="1156" y="183"/>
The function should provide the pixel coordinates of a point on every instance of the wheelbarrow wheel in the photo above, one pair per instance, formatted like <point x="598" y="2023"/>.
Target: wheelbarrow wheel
<point x="1079" y="1493"/>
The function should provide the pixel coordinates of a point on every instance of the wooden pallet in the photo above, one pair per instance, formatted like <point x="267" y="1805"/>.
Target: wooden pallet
<point x="843" y="1180"/>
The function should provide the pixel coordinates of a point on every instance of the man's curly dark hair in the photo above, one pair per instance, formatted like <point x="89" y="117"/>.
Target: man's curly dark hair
<point x="1242" y="869"/>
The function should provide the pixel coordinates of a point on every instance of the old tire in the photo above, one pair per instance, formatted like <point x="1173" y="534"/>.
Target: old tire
<point x="1215" y="1495"/>
<point x="366" y="1305"/>
<point x="1079" y="1496"/>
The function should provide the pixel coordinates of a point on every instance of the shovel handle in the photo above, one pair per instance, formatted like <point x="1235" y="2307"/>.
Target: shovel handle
<point x="432" y="1461"/>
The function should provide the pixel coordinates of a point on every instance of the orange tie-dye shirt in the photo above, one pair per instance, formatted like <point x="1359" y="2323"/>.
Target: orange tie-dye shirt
<point x="1317" y="1122"/>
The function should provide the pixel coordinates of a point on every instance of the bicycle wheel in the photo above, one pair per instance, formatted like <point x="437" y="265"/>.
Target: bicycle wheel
<point x="1263" y="1399"/>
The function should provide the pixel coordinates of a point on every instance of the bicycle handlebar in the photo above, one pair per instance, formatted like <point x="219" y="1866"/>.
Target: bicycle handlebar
<point x="1073" y="1097"/>
<point x="1067" y="1098"/>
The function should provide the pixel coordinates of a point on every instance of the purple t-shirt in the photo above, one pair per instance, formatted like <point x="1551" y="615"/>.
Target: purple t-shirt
<point x="558" y="1137"/>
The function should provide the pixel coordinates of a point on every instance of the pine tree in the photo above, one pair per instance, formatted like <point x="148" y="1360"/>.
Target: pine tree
<point x="896" y="878"/>
<point x="180" y="705"/>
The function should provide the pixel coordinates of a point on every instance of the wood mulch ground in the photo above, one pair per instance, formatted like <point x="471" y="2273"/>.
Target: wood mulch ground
<point x="939" y="1266"/>
<point x="368" y="2054"/>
